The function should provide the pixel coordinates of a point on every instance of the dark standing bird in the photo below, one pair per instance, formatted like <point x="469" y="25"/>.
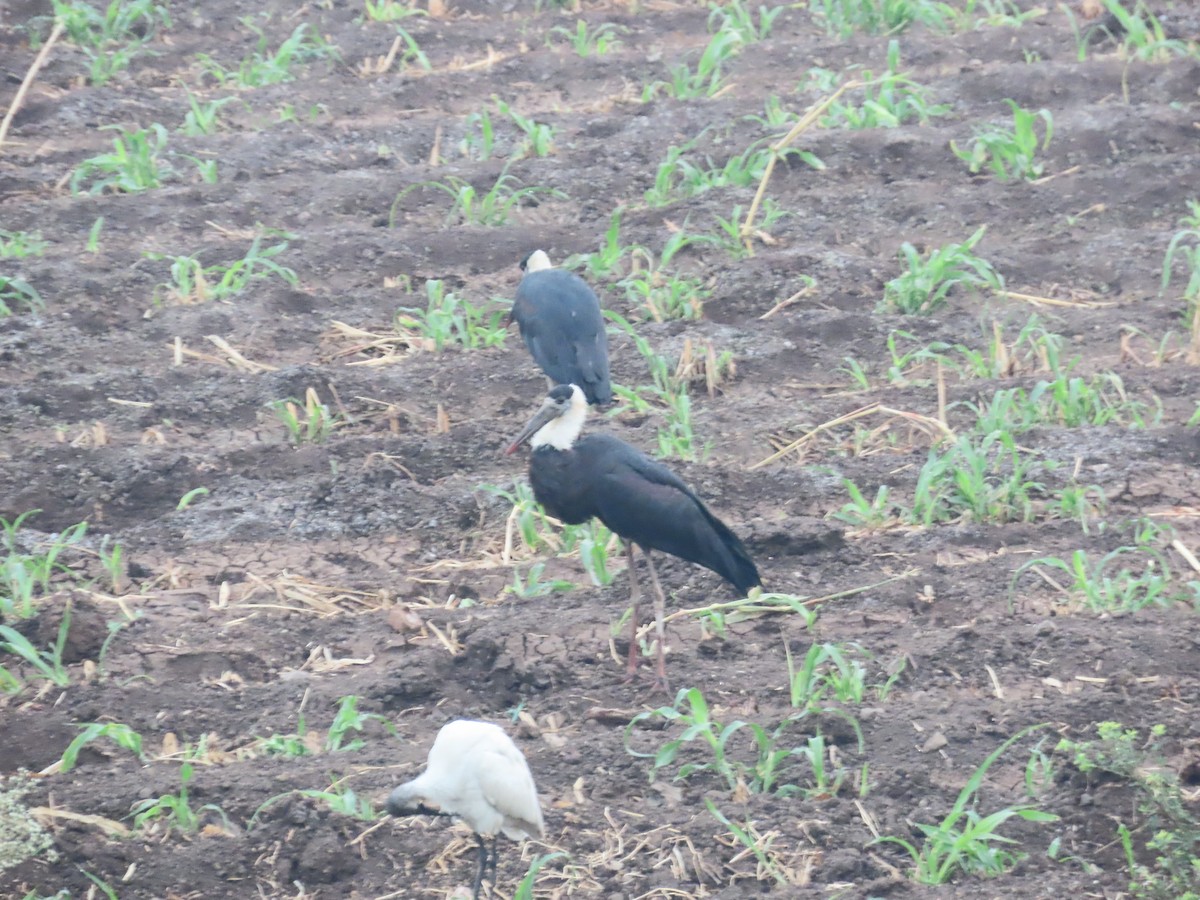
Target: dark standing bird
<point x="639" y="499"/>
<point x="561" y="324"/>
<point x="477" y="773"/>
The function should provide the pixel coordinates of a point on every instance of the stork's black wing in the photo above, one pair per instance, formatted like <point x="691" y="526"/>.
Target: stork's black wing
<point x="645" y="502"/>
<point x="561" y="324"/>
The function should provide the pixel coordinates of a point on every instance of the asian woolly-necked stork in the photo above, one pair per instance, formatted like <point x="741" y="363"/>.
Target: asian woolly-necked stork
<point x="561" y="324"/>
<point x="577" y="478"/>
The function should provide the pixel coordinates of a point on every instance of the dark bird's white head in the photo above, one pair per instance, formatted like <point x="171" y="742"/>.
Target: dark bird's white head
<point x="559" y="421"/>
<point x="536" y="262"/>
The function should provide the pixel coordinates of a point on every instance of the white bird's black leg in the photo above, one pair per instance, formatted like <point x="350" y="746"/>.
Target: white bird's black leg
<point x="483" y="861"/>
<point x="495" y="859"/>
<point x="660" y="611"/>
<point x="635" y="595"/>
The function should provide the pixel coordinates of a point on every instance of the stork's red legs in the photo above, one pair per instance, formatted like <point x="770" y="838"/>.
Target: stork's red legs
<point x="635" y="595"/>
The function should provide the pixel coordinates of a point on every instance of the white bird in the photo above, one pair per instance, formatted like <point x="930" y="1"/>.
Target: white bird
<point x="477" y="773"/>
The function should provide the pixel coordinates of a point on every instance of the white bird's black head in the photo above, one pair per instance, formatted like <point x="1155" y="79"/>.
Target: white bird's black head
<point x="406" y="800"/>
<point x="559" y="421"/>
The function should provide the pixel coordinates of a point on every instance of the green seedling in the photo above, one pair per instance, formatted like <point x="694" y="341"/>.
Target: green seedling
<point x="103" y="886"/>
<point x="113" y="36"/>
<point x="21" y="244"/>
<point x="527" y="519"/>
<point x="525" y="887"/>
<point x="668" y="391"/>
<point x="1067" y="401"/>
<point x="538" y="532"/>
<point x="876" y="513"/>
<point x="1079" y="502"/>
<point x="1169" y="832"/>
<point x="264" y="67"/>
<point x="412" y="54"/>
<point x="1034" y="349"/>
<point x="1143" y="36"/>
<point x="186" y="500"/>
<point x="707" y="79"/>
<point x="964" y="841"/>
<point x="730" y="237"/>
<point x="205" y="168"/>
<point x="134" y="165"/>
<point x="193" y="282"/>
<point x="48" y="663"/>
<point x="585" y="41"/>
<point x="736" y="18"/>
<point x="470" y="206"/>
<point x="342" y="799"/>
<point x="595" y="544"/>
<point x="289" y="745"/>
<point x="201" y="117"/>
<point x="287" y="113"/>
<point x="691" y="711"/>
<point x="24" y="574"/>
<point x="844" y="17"/>
<point x="348" y="719"/>
<point x="1183" y="254"/>
<point x="1126" y="579"/>
<point x="93" y="241"/>
<point x="680" y="177"/>
<point x="389" y="10"/>
<point x="753" y="845"/>
<point x="339" y="797"/>
<point x="302" y="743"/>
<point x="983" y="478"/>
<point x="827" y="670"/>
<point x="715" y="618"/>
<point x="539" y="138"/>
<point x="775" y="115"/>
<point x="769" y="756"/>
<point x="112" y="556"/>
<point x="479" y="142"/>
<point x="666" y="297"/>
<point x="1040" y="771"/>
<point x="121" y="735"/>
<point x="612" y="254"/>
<point x="310" y="423"/>
<point x="923" y="287"/>
<point x="450" y="320"/>
<point x="9" y="683"/>
<point x="888" y="101"/>
<point x="662" y="293"/>
<point x="175" y="809"/>
<point x="1009" y="153"/>
<point x="977" y="14"/>
<point x="531" y="585"/>
<point x="15" y="294"/>
<point x="857" y="372"/>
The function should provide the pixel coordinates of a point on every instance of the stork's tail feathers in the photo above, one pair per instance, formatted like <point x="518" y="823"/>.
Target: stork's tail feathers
<point x="736" y="565"/>
<point x="744" y="574"/>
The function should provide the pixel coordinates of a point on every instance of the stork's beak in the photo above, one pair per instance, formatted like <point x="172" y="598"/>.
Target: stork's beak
<point x="548" y="413"/>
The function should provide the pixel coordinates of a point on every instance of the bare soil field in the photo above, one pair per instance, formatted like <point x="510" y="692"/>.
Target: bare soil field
<point x="1019" y="564"/>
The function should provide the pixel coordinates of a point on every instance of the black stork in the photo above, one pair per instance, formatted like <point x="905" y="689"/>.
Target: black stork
<point x="561" y="324"/>
<point x="641" y="500"/>
<point x="477" y="773"/>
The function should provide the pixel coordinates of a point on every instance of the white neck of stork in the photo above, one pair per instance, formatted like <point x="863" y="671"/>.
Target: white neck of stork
<point x="562" y="431"/>
<point x="537" y="261"/>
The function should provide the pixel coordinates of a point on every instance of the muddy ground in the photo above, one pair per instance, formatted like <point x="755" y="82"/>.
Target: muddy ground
<point x="374" y="563"/>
